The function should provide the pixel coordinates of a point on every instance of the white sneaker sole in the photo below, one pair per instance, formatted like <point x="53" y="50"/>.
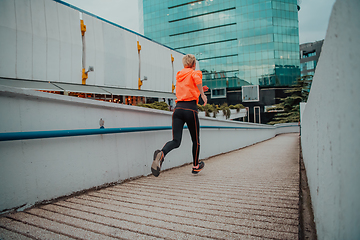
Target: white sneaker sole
<point x="155" y="167"/>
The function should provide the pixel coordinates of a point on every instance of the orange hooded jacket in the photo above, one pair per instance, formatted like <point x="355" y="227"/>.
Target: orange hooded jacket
<point x="186" y="81"/>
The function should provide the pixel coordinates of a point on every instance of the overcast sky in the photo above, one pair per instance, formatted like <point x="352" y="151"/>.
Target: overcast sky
<point x="313" y="16"/>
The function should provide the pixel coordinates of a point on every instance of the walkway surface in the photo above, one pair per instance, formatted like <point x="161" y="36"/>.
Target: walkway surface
<point x="251" y="193"/>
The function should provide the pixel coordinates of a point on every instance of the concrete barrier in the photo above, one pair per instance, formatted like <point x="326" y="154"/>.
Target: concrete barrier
<point x="42" y="169"/>
<point x="287" y="128"/>
<point x="330" y="135"/>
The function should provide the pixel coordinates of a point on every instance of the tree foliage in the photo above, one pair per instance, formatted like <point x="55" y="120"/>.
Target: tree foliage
<point x="290" y="105"/>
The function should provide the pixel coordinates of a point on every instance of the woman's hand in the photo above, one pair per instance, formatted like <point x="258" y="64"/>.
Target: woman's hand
<point x="204" y="98"/>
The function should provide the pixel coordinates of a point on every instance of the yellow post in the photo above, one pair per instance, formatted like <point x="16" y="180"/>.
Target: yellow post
<point x="84" y="76"/>
<point x="83" y="30"/>
<point x="172" y="83"/>
<point x="139" y="84"/>
<point x="138" y="46"/>
<point x="139" y="49"/>
<point x="83" y="27"/>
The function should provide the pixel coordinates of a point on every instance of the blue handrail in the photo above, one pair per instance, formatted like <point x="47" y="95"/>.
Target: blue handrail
<point x="10" y="136"/>
<point x="70" y="133"/>
<point x="292" y="125"/>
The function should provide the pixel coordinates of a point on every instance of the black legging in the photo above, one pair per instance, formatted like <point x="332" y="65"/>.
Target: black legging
<point x="185" y="112"/>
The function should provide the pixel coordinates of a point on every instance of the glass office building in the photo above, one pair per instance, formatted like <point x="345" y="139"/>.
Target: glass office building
<point x="237" y="42"/>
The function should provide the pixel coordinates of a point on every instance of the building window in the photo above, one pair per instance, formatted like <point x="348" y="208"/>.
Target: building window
<point x="218" y="93"/>
<point x="250" y="93"/>
<point x="308" y="66"/>
<point x="310" y="54"/>
<point x="311" y="73"/>
<point x="311" y="65"/>
<point x="303" y="66"/>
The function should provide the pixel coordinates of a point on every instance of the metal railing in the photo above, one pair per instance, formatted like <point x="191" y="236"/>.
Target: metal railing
<point x="11" y="136"/>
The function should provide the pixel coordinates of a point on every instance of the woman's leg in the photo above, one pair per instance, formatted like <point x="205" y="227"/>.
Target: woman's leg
<point x="192" y="121"/>
<point x="177" y="129"/>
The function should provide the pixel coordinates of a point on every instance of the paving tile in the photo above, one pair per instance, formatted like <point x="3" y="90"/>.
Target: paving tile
<point x="28" y="231"/>
<point x="6" y="234"/>
<point x="171" y="218"/>
<point x="57" y="227"/>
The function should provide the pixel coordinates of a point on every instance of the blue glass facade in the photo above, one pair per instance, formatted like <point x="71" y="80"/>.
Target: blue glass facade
<point x="237" y="42"/>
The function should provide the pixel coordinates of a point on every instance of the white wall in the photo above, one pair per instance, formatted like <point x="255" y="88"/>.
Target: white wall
<point x="330" y="134"/>
<point x="42" y="169"/>
<point x="287" y="127"/>
<point x="7" y="39"/>
<point x="41" y="40"/>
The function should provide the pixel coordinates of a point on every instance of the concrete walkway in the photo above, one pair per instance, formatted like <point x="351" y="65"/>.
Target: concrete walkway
<point x="251" y="193"/>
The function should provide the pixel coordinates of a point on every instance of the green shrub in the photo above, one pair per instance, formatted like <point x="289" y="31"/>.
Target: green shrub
<point x="237" y="107"/>
<point x="155" y="105"/>
<point x="215" y="109"/>
<point x="208" y="108"/>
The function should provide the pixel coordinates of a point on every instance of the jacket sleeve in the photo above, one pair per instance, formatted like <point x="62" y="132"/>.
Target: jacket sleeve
<point x="197" y="76"/>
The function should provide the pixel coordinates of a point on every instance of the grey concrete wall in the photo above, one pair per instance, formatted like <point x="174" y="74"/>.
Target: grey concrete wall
<point x="330" y="133"/>
<point x="42" y="169"/>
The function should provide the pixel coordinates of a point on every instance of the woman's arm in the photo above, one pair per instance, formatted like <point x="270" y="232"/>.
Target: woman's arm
<point x="203" y="96"/>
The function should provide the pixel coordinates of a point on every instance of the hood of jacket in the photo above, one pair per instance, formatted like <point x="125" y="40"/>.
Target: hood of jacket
<point x="183" y="74"/>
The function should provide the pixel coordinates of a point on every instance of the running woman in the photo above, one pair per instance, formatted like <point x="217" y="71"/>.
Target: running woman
<point x="188" y="88"/>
